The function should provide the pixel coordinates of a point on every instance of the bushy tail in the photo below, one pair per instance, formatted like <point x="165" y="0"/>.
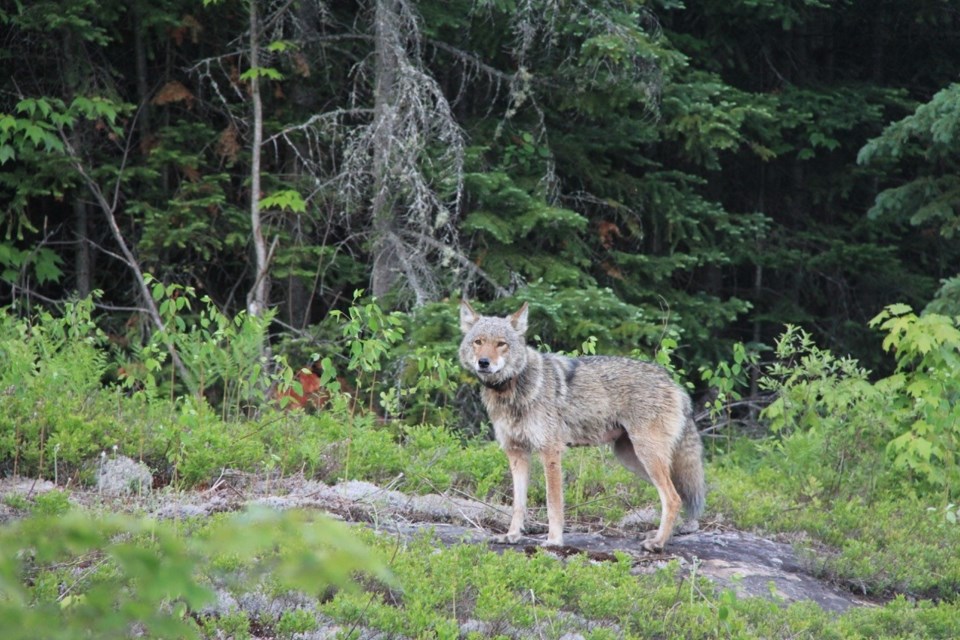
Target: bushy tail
<point x="687" y="472"/>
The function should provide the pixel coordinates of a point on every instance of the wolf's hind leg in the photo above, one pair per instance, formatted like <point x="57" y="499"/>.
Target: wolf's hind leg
<point x="643" y="459"/>
<point x="659" y="471"/>
<point x="520" y="470"/>
<point x="623" y="449"/>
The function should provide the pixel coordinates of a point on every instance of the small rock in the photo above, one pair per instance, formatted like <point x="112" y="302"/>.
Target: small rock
<point x="640" y="519"/>
<point x="123" y="476"/>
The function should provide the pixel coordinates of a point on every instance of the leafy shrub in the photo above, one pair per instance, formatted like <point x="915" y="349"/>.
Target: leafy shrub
<point x="50" y="371"/>
<point x="52" y="503"/>
<point x="151" y="575"/>
<point x="926" y="392"/>
<point x="902" y="431"/>
<point x="830" y="421"/>
<point x="295" y="621"/>
<point x="202" y="444"/>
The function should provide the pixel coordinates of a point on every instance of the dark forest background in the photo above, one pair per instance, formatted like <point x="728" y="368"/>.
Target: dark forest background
<point x="707" y="170"/>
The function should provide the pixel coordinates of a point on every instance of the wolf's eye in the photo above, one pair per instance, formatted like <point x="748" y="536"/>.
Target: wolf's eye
<point x="478" y="342"/>
<point x="501" y="344"/>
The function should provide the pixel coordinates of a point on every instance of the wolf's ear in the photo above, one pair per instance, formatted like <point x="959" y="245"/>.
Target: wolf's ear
<point x="519" y="319"/>
<point x="468" y="317"/>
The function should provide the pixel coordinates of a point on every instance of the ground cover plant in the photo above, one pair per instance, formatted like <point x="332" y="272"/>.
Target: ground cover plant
<point x="857" y="471"/>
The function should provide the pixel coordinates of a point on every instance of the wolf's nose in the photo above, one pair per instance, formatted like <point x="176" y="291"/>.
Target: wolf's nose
<point x="483" y="363"/>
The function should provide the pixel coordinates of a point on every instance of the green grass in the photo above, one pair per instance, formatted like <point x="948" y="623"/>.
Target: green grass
<point x="432" y="591"/>
<point x="879" y="547"/>
<point x="822" y="477"/>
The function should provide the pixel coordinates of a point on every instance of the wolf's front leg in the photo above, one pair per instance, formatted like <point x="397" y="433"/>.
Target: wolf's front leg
<point x="554" y="474"/>
<point x="520" y="470"/>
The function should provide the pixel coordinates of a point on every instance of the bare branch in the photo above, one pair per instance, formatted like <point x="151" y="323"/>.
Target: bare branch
<point x="449" y="253"/>
<point x="320" y="120"/>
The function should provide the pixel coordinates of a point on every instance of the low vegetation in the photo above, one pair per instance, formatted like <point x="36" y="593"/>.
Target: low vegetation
<point x="861" y="473"/>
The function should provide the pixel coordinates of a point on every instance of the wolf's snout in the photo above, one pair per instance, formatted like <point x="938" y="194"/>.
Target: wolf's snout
<point x="483" y="363"/>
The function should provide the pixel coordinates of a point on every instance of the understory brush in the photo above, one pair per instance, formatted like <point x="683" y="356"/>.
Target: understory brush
<point x="860" y="473"/>
<point x="110" y="576"/>
<point x="267" y="574"/>
<point x="881" y="547"/>
<point x="467" y="590"/>
<point x="866" y="470"/>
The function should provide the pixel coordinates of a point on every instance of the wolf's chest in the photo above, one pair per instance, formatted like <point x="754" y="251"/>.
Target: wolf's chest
<point x="522" y="426"/>
<point x="524" y="436"/>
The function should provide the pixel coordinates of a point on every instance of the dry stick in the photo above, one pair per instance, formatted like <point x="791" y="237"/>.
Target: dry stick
<point x="16" y="452"/>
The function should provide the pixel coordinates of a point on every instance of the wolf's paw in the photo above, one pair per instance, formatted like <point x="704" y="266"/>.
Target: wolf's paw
<point x="553" y="542"/>
<point x="688" y="526"/>
<point x="507" y="538"/>
<point x="653" y="546"/>
<point x="651" y="542"/>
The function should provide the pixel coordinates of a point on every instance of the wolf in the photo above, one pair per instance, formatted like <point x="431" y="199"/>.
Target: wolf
<point x="544" y="403"/>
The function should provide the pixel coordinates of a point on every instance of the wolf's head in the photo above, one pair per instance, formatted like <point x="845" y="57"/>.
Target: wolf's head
<point x="493" y="348"/>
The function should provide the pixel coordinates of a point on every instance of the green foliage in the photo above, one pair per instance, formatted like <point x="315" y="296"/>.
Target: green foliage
<point x="200" y="219"/>
<point x="925" y="146"/>
<point x="41" y="124"/>
<point x="729" y="379"/>
<point x="931" y="131"/>
<point x="152" y="576"/>
<point x="828" y="472"/>
<point x="43" y="262"/>
<point x="533" y="596"/>
<point x="45" y="366"/>
<point x="640" y="152"/>
<point x="832" y="422"/>
<point x="947" y="300"/>
<point x="261" y="72"/>
<point x="856" y="462"/>
<point x="707" y="117"/>
<point x="52" y="503"/>
<point x="234" y="625"/>
<point x="926" y="388"/>
<point x="437" y="459"/>
<point x="876" y="542"/>
<point x="58" y="417"/>
<point x="48" y="503"/>
<point x="369" y="332"/>
<point x="295" y="621"/>
<point x="219" y="352"/>
<point x="287" y="200"/>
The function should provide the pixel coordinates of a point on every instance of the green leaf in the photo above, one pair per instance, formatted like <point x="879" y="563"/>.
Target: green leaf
<point x="287" y="200"/>
<point x="261" y="72"/>
<point x="899" y="309"/>
<point x="46" y="267"/>
<point x="280" y="46"/>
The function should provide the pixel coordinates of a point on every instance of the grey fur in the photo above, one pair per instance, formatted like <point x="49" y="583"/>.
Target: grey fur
<point x="544" y="403"/>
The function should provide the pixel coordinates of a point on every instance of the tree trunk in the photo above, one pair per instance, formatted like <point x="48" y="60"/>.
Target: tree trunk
<point x="143" y="85"/>
<point x="82" y="258"/>
<point x="258" y="297"/>
<point x="385" y="262"/>
<point x="299" y="292"/>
